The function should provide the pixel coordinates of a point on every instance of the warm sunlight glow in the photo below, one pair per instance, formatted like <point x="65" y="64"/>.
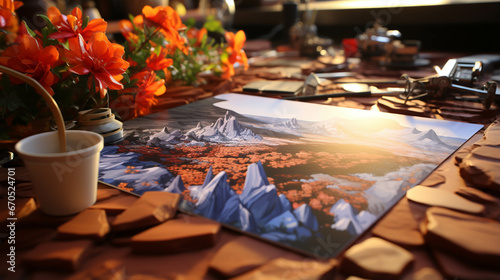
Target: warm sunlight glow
<point x="377" y="4"/>
<point x="385" y="3"/>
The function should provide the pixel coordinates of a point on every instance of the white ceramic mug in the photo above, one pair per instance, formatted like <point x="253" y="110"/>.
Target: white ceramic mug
<point x="65" y="183"/>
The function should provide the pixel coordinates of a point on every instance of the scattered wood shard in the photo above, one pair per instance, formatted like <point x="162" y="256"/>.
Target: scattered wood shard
<point x="282" y="268"/>
<point x="443" y="198"/>
<point x="468" y="237"/>
<point x="184" y="234"/>
<point x="376" y="258"/>
<point x="90" y="223"/>
<point x="57" y="256"/>
<point x="150" y="209"/>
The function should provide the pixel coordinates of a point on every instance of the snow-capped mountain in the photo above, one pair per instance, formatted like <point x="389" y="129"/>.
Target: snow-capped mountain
<point x="212" y="198"/>
<point x="177" y="186"/>
<point x="425" y="140"/>
<point x="259" y="209"/>
<point x="165" y="137"/>
<point x="291" y="123"/>
<point x="304" y="214"/>
<point x="260" y="197"/>
<point x="431" y="138"/>
<point x="290" y="126"/>
<point x="347" y="218"/>
<point x="225" y="130"/>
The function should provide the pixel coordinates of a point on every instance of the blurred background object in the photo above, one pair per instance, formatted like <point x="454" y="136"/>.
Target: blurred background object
<point x="222" y="10"/>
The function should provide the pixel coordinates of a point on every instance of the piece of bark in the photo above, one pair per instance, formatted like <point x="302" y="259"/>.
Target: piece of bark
<point x="480" y="168"/>
<point x="401" y="226"/>
<point x="282" y="268"/>
<point x="463" y="153"/>
<point x="490" y="202"/>
<point x="476" y="195"/>
<point x="88" y="224"/>
<point x="443" y="198"/>
<point x="150" y="209"/>
<point x="376" y="258"/>
<point x="356" y="278"/>
<point x="57" y="256"/>
<point x="425" y="273"/>
<point x="462" y="116"/>
<point x="115" y="205"/>
<point x="23" y="208"/>
<point x="487" y="152"/>
<point x="241" y="255"/>
<point x="456" y="268"/>
<point x="401" y="109"/>
<point x="186" y="233"/>
<point x="435" y="178"/>
<point x="491" y="135"/>
<point x="468" y="237"/>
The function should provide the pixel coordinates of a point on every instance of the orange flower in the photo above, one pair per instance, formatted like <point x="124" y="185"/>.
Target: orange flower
<point x="10" y="5"/>
<point x="236" y="54"/>
<point x="227" y="69"/>
<point x="127" y="30"/>
<point x="159" y="61"/>
<point x="8" y="19"/>
<point x="148" y="88"/>
<point x="235" y="50"/>
<point x="169" y="21"/>
<point x="31" y="58"/>
<point x="100" y="58"/>
<point x="193" y="33"/>
<point x="71" y="25"/>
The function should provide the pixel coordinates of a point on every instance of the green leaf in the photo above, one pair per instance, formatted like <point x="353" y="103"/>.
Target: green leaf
<point x="65" y="45"/>
<point x="47" y="41"/>
<point x="85" y="22"/>
<point x="33" y="34"/>
<point x="158" y="40"/>
<point x="48" y="23"/>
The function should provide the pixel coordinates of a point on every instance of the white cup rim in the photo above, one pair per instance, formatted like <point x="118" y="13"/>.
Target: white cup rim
<point x="81" y="152"/>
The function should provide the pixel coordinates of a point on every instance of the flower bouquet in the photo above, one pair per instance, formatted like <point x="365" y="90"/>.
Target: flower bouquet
<point x="75" y="61"/>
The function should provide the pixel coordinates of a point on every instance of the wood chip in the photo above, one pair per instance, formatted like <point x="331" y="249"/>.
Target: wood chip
<point x="115" y="205"/>
<point x="376" y="258"/>
<point x="468" y="237"/>
<point x="150" y="209"/>
<point x="187" y="233"/>
<point x="282" y="268"/>
<point x="443" y="198"/>
<point x="57" y="256"/>
<point x="241" y="255"/>
<point x="90" y="223"/>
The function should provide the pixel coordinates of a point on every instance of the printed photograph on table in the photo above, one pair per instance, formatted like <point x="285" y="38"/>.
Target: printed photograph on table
<point x="307" y="176"/>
